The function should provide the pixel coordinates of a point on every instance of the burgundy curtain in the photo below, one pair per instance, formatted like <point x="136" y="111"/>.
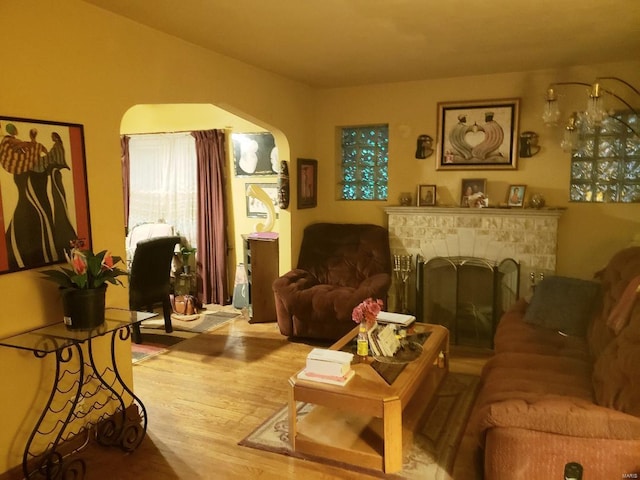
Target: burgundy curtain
<point x="212" y="244"/>
<point x="124" y="158"/>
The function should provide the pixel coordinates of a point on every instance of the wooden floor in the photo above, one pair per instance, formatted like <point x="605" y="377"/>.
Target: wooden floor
<point x="210" y="392"/>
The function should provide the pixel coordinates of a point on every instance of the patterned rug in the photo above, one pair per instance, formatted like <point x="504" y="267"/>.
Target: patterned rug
<point x="434" y="447"/>
<point x="156" y="341"/>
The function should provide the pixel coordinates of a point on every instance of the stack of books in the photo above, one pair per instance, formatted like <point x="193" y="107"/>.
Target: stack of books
<point x="383" y="341"/>
<point x="328" y="366"/>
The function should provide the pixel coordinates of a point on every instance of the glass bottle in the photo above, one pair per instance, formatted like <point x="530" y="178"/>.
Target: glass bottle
<point x="363" y="342"/>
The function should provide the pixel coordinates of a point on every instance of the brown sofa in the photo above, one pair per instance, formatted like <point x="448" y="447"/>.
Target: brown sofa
<point x="339" y="266"/>
<point x="548" y="398"/>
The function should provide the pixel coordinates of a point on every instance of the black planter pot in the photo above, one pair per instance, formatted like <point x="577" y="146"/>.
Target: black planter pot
<point x="83" y="309"/>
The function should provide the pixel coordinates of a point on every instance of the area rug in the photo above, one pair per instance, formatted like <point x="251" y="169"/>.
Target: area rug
<point x="156" y="341"/>
<point x="435" y="444"/>
<point x="203" y="321"/>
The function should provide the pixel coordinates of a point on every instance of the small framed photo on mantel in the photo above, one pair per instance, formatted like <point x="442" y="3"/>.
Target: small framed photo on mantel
<point x="515" y="196"/>
<point x="426" y="195"/>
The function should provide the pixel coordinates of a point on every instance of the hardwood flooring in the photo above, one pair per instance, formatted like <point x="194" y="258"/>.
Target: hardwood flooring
<point x="210" y="392"/>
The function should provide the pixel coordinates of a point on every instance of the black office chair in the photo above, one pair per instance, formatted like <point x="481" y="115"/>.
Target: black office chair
<point x="150" y="279"/>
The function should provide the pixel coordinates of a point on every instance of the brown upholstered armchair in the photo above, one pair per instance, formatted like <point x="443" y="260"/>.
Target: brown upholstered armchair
<point x="339" y="266"/>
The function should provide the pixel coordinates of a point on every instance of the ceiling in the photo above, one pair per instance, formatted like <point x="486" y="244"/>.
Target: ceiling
<point x="337" y="43"/>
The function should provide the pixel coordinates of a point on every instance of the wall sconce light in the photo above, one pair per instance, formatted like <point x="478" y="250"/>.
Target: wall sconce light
<point x="595" y="111"/>
<point x="424" y="146"/>
<point x="528" y="144"/>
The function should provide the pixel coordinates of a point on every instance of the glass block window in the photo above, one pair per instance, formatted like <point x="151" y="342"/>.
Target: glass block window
<point x="605" y="166"/>
<point x="364" y="163"/>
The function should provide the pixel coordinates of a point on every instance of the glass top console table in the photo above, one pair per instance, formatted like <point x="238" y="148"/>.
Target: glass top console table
<point x="85" y="396"/>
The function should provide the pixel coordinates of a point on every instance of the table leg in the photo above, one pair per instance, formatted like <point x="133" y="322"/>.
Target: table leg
<point x="293" y="418"/>
<point x="392" y="419"/>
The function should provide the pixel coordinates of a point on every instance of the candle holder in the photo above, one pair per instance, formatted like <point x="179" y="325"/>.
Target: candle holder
<point x="402" y="270"/>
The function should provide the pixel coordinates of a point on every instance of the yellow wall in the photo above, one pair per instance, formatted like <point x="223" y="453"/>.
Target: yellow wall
<point x="588" y="234"/>
<point x="73" y="62"/>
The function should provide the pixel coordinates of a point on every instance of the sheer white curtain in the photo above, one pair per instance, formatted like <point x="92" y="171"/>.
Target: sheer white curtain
<point x="163" y="182"/>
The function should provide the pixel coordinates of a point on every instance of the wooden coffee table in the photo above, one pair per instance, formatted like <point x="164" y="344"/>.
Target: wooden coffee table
<point x="366" y="422"/>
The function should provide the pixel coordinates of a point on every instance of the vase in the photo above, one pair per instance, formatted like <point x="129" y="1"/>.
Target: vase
<point x="83" y="308"/>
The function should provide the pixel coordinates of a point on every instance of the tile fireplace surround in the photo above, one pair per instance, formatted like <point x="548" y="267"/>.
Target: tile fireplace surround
<point x="528" y="236"/>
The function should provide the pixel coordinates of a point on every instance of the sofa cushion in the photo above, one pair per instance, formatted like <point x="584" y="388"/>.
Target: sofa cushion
<point x="563" y="304"/>
<point x="514" y="335"/>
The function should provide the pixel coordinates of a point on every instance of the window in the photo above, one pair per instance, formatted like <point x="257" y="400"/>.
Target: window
<point x="605" y="167"/>
<point x="365" y="162"/>
<point x="163" y="182"/>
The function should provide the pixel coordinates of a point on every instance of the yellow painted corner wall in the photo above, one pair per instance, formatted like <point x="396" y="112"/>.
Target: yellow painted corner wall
<point x="73" y="62"/>
<point x="588" y="233"/>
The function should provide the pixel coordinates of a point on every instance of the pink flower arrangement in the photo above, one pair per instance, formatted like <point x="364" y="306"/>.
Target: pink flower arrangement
<point x="87" y="270"/>
<point x="367" y="311"/>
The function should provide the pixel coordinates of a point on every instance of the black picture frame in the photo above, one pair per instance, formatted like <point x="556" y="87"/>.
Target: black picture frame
<point x="478" y="135"/>
<point x="307" y="183"/>
<point x="426" y="195"/>
<point x="45" y="159"/>
<point x="254" y="154"/>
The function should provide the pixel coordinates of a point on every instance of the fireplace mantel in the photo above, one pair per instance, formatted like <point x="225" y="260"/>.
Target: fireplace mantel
<point x="529" y="236"/>
<point x="481" y="212"/>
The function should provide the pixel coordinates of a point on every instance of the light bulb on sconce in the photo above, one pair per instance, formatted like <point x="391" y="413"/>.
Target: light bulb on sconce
<point x="595" y="112"/>
<point x="551" y="113"/>
<point x="570" y="137"/>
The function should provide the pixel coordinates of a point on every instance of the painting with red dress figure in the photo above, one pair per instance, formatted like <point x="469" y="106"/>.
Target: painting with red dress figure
<point x="44" y="203"/>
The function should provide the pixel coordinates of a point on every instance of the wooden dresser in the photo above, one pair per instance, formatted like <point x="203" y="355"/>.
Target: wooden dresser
<point x="261" y="259"/>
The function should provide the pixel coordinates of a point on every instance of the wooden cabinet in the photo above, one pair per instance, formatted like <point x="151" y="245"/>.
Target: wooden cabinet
<point x="261" y="260"/>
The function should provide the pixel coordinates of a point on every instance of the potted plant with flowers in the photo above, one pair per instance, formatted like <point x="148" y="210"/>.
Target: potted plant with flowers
<point x="83" y="284"/>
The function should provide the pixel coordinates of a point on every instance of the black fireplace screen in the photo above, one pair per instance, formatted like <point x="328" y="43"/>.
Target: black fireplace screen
<point x="467" y="295"/>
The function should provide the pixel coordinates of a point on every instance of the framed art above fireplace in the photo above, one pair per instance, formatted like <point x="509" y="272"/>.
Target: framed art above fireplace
<point x="478" y="135"/>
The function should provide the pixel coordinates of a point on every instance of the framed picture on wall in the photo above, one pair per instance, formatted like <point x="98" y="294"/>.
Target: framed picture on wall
<point x="478" y="135"/>
<point x="255" y="154"/>
<point x="515" y="196"/>
<point x="256" y="208"/>
<point x="307" y="183"/>
<point x="426" y="195"/>
<point x="43" y="187"/>
<point x="473" y="193"/>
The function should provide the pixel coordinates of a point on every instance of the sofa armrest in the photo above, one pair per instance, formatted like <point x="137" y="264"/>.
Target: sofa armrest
<point x="294" y="280"/>
<point x="562" y="416"/>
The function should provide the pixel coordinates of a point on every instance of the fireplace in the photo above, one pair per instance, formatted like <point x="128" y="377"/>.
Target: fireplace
<point x="527" y="236"/>
<point x="467" y="295"/>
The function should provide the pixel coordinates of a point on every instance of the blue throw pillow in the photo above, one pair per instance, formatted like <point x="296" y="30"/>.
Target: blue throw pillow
<point x="564" y="304"/>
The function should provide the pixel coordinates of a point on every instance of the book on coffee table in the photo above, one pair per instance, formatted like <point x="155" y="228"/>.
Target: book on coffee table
<point x="332" y="380"/>
<point x="395" y="318"/>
